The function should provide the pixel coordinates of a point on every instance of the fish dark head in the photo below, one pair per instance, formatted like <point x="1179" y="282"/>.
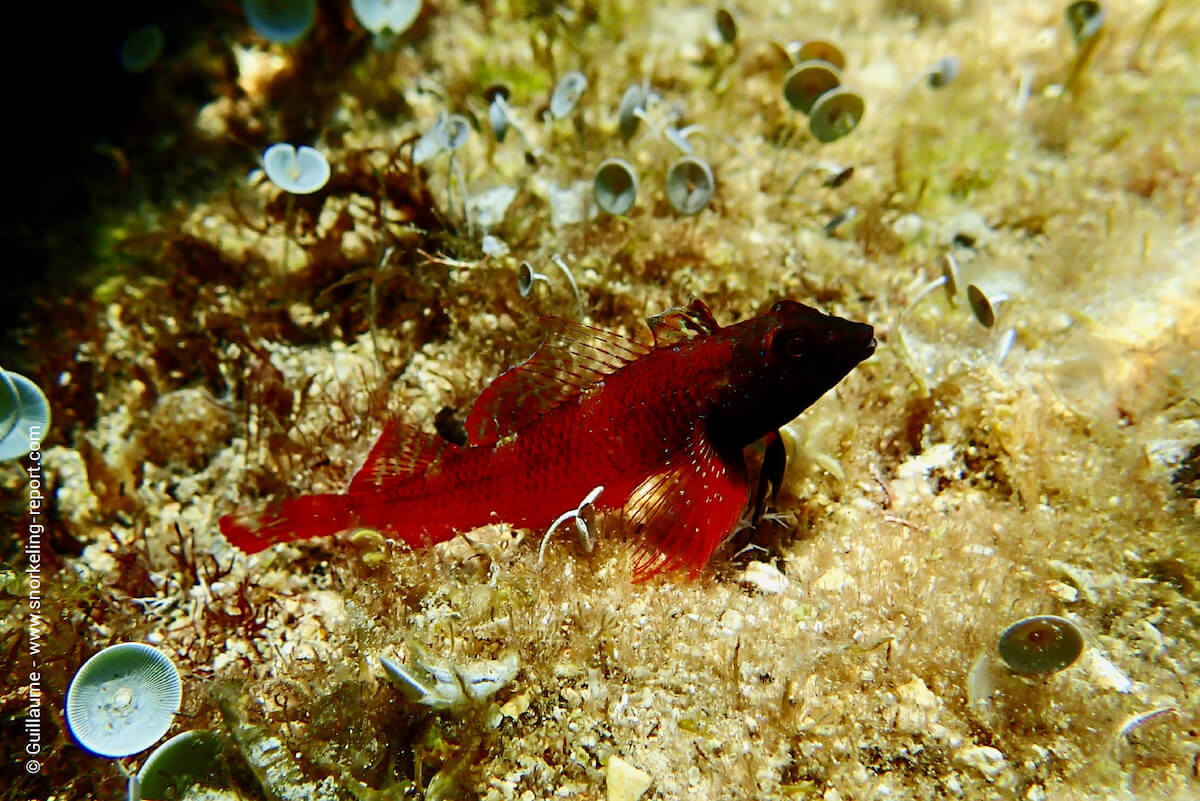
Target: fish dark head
<point x="783" y="362"/>
<point x="812" y="350"/>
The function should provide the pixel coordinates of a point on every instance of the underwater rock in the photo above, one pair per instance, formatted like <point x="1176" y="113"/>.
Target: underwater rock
<point x="624" y="782"/>
<point x="917" y="708"/>
<point x="983" y="758"/>
<point x="569" y="204"/>
<point x="187" y="426"/>
<point x="488" y="207"/>
<point x="764" y="577"/>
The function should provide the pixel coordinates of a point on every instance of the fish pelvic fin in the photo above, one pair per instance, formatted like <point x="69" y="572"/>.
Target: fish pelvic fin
<point x="682" y="513"/>
<point x="770" y="473"/>
<point x="302" y="518"/>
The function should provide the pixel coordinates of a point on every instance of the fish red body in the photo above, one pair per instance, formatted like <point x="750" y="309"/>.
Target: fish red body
<point x="661" y="427"/>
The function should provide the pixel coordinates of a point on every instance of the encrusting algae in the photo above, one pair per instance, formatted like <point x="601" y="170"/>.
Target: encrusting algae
<point x="1021" y="446"/>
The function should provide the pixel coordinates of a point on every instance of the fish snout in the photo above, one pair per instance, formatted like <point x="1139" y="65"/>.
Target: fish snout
<point x="865" y="338"/>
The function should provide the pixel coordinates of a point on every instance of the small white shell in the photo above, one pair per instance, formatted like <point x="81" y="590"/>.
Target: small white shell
<point x="484" y="678"/>
<point x="764" y="577"/>
<point x="431" y="684"/>
<point x="1106" y="675"/>
<point x="981" y="681"/>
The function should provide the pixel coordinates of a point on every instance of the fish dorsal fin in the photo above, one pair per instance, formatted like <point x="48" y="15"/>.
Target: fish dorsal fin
<point x="401" y="452"/>
<point x="680" y="323"/>
<point x="571" y="358"/>
<point x="683" y="512"/>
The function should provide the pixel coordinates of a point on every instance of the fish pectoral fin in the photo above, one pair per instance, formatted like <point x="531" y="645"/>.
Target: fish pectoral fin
<point x="401" y="452"/>
<point x="682" y="513"/>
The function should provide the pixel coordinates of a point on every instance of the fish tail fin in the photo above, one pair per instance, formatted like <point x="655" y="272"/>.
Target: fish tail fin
<point x="300" y="518"/>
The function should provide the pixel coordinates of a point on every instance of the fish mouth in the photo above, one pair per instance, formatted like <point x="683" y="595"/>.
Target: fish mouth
<point x="865" y="340"/>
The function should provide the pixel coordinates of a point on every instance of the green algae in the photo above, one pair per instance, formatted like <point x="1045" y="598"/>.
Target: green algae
<point x="957" y="163"/>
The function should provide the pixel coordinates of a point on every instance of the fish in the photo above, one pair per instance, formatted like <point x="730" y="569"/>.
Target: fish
<point x="655" y="430"/>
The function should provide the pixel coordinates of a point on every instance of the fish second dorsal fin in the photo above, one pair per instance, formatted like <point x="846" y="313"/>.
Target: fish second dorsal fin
<point x="401" y="452"/>
<point x="571" y="358"/>
<point x="680" y="323"/>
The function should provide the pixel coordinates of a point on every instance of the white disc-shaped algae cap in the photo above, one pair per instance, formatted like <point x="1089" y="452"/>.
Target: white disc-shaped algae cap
<point x="123" y="699"/>
<point x="378" y="16"/>
<point x="498" y="119"/>
<point x="807" y="81"/>
<point x="178" y="763"/>
<point x="299" y="170"/>
<point x="634" y="98"/>
<point x="22" y="408"/>
<point x="821" y="50"/>
<point x="615" y="186"/>
<point x="1042" y="644"/>
<point x="8" y="404"/>
<point x="943" y="72"/>
<point x="984" y="309"/>
<point x="690" y="184"/>
<point x="835" y="114"/>
<point x="1085" y="19"/>
<point x="142" y="47"/>
<point x="566" y="94"/>
<point x="281" y="21"/>
<point x="726" y="25"/>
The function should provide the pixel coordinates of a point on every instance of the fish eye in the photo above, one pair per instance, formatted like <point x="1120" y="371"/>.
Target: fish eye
<point x="791" y="345"/>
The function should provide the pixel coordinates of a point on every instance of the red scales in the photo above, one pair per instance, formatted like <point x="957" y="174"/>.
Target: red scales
<point x="660" y="427"/>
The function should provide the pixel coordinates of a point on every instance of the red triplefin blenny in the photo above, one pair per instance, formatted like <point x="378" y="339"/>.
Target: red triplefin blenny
<point x="660" y="427"/>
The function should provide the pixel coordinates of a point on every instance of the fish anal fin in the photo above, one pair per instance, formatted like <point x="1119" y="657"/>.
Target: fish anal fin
<point x="680" y="323"/>
<point x="401" y="452"/>
<point x="682" y="513"/>
<point x="571" y="358"/>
